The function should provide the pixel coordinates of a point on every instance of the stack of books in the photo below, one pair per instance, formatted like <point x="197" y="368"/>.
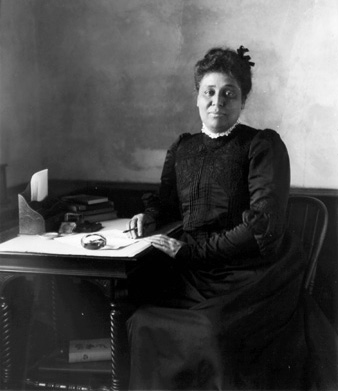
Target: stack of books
<point x="93" y="208"/>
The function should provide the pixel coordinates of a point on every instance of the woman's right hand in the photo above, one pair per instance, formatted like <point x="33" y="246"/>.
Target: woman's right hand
<point x="140" y="225"/>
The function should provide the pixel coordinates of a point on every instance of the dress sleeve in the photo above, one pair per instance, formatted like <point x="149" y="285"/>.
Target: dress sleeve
<point x="262" y="225"/>
<point x="165" y="207"/>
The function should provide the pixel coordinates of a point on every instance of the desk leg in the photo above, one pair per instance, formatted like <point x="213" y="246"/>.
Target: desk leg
<point x="6" y="366"/>
<point x="5" y="345"/>
<point x="114" y="326"/>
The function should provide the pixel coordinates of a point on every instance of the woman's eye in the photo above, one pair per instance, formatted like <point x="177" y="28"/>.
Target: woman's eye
<point x="230" y="94"/>
<point x="209" y="92"/>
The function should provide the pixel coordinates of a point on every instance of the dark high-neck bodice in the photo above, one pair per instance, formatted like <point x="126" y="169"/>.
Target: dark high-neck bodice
<point x="212" y="179"/>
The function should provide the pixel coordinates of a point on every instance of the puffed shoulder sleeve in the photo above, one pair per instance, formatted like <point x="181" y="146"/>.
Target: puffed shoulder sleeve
<point x="262" y="225"/>
<point x="165" y="207"/>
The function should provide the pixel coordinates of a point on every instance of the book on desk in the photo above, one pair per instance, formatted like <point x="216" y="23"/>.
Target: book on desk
<point x="91" y="208"/>
<point x="85" y="199"/>
<point x="75" y="207"/>
<point x="39" y="213"/>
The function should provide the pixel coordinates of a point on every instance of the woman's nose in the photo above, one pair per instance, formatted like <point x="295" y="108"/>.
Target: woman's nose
<point x="218" y="100"/>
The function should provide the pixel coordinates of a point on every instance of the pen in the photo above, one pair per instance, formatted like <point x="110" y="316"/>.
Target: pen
<point x="135" y="229"/>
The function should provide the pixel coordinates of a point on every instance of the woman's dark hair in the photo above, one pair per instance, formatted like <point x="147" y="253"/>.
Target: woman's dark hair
<point x="227" y="61"/>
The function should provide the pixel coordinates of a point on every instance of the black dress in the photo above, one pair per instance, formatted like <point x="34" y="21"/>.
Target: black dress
<point x="227" y="313"/>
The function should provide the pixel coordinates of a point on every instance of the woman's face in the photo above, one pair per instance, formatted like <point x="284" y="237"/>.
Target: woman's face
<point x="219" y="101"/>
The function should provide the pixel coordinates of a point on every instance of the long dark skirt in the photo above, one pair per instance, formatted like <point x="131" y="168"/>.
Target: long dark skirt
<point x="260" y="334"/>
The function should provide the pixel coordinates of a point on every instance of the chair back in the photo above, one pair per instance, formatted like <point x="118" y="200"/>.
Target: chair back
<point x="307" y="217"/>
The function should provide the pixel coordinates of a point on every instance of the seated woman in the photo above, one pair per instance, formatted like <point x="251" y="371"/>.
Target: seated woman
<point x="225" y="314"/>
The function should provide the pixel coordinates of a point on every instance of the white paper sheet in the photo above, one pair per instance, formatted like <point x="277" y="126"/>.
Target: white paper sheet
<point x="39" y="185"/>
<point x="71" y="245"/>
<point x="114" y="237"/>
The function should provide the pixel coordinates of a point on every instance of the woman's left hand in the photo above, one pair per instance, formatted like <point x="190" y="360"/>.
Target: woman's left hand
<point x="168" y="245"/>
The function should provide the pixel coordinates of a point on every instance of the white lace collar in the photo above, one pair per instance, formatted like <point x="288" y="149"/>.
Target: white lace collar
<point x="206" y="131"/>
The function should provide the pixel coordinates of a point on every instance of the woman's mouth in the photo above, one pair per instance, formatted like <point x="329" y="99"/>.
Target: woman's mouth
<point x="216" y="114"/>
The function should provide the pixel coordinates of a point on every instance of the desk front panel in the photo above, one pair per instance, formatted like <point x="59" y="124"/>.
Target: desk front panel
<point x="65" y="265"/>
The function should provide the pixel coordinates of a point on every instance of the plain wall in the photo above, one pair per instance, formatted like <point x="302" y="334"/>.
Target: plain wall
<point x="98" y="90"/>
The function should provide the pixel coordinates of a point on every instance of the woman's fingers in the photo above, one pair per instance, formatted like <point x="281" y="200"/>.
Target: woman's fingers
<point x="139" y="225"/>
<point x="159" y="240"/>
<point x="166" y="244"/>
<point x="135" y="226"/>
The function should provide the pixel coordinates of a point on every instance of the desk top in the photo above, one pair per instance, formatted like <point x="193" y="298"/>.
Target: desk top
<point x="118" y="244"/>
<point x="66" y="256"/>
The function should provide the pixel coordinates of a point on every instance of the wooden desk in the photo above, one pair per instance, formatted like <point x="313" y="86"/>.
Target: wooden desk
<point x="18" y="259"/>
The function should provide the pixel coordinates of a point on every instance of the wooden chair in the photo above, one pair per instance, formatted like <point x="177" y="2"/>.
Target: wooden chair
<point x="307" y="217"/>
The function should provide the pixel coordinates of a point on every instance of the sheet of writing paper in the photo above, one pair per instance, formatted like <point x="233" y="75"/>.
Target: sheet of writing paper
<point x="71" y="244"/>
<point x="121" y="245"/>
<point x="115" y="239"/>
<point x="39" y="185"/>
<point x="35" y="244"/>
